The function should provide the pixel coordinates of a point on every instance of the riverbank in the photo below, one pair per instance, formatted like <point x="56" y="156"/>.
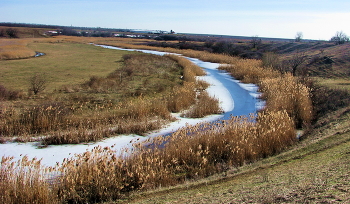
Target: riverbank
<point x="316" y="170"/>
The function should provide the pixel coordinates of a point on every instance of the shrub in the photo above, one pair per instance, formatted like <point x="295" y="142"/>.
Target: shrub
<point x="37" y="83"/>
<point x="2" y="33"/>
<point x="6" y="94"/>
<point x="340" y="38"/>
<point x="12" y="32"/>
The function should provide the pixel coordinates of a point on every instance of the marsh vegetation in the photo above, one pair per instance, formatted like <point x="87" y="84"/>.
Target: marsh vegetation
<point x="128" y="99"/>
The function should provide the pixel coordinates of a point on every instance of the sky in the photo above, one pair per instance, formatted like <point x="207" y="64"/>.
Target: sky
<point x="316" y="19"/>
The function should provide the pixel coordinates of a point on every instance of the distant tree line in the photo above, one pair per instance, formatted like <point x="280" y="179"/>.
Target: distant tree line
<point x="90" y="33"/>
<point x="224" y="46"/>
<point x="56" y="27"/>
<point x="213" y="45"/>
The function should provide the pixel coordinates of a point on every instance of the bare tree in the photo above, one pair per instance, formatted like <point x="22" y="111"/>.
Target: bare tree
<point x="340" y="38"/>
<point x="296" y="61"/>
<point x="298" y="37"/>
<point x="37" y="83"/>
<point x="255" y="42"/>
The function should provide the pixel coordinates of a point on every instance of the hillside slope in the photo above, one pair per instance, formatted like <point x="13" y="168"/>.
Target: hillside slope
<point x="324" y="59"/>
<point x="316" y="170"/>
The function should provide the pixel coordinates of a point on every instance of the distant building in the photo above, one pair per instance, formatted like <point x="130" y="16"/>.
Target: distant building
<point x="51" y="33"/>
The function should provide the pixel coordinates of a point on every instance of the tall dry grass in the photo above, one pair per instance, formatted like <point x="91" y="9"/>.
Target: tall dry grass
<point x="15" y="49"/>
<point x="250" y="71"/>
<point x="280" y="91"/>
<point x="181" y="98"/>
<point x="137" y="116"/>
<point x="286" y="93"/>
<point x="101" y="175"/>
<point x="25" y="181"/>
<point x="191" y="70"/>
<point x="205" y="105"/>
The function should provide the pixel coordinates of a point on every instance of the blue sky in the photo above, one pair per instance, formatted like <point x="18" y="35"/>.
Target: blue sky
<point x="316" y="19"/>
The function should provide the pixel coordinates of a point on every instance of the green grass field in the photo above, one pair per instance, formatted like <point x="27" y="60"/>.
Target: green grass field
<point x="63" y="64"/>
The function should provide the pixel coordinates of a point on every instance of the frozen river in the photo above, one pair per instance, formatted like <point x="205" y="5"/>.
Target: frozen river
<point x="235" y="99"/>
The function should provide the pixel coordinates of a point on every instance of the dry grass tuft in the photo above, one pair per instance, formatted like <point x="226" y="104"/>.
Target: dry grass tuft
<point x="205" y="105"/>
<point x="182" y="98"/>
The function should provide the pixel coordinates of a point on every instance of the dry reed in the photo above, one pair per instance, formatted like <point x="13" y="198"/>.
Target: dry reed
<point x="24" y="181"/>
<point x="190" y="153"/>
<point x="281" y="91"/>
<point x="182" y="98"/>
<point x="286" y="93"/>
<point x="205" y="105"/>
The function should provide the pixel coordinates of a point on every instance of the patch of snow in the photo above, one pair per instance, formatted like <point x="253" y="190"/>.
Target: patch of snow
<point x="38" y="54"/>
